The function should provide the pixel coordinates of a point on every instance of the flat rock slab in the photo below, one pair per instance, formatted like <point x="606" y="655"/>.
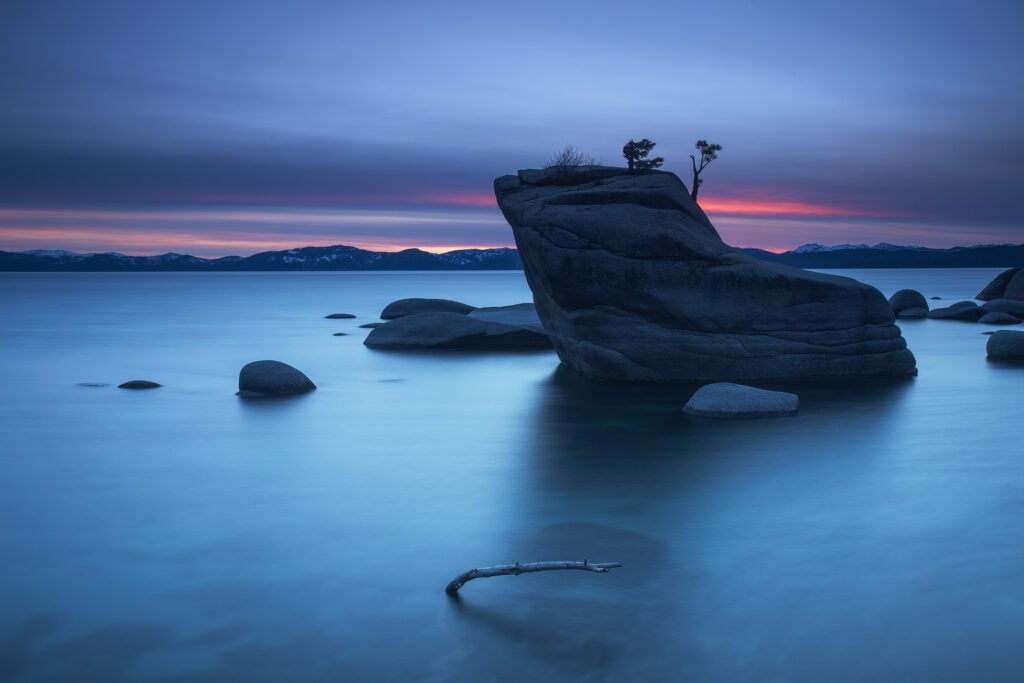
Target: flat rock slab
<point x="999" y="318"/>
<point x="271" y="378"/>
<point x="404" y="307"/>
<point x="1006" y="345"/>
<point x="339" y="316"/>
<point x="454" y="331"/>
<point x="912" y="313"/>
<point x="728" y="400"/>
<point x="370" y="326"/>
<point x="139" y="384"/>
<point x="524" y="315"/>
<point x="969" y="314"/>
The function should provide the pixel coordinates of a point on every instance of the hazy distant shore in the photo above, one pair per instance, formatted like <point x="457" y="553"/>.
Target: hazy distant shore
<point x="346" y="258"/>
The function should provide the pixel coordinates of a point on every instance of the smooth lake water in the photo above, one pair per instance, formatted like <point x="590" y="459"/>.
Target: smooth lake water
<point x="183" y="534"/>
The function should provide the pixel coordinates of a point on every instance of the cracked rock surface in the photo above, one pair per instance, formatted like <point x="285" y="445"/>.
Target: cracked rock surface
<point x="632" y="282"/>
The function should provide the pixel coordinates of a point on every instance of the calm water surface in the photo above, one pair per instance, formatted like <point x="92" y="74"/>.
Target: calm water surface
<point x="185" y="535"/>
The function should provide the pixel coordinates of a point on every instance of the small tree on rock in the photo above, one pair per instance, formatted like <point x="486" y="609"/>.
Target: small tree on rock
<point x="708" y="153"/>
<point x="567" y="162"/>
<point x="636" y="155"/>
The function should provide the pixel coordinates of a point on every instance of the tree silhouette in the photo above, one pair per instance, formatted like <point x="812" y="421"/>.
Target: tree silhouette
<point x="708" y="153"/>
<point x="567" y="163"/>
<point x="636" y="153"/>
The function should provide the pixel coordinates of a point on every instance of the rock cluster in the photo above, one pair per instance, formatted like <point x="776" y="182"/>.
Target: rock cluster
<point x="632" y="282"/>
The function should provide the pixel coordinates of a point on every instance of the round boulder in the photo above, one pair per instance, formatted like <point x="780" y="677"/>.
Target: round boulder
<point x="269" y="378"/>
<point x="907" y="298"/>
<point x="404" y="307"/>
<point x="139" y="384"/>
<point x="1006" y="345"/>
<point x="725" y="399"/>
<point x="1009" y="284"/>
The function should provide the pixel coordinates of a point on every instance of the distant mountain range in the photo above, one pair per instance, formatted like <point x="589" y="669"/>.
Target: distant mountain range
<point x="340" y="257"/>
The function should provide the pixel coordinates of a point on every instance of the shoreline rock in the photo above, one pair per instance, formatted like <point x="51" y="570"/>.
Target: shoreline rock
<point x="633" y="283"/>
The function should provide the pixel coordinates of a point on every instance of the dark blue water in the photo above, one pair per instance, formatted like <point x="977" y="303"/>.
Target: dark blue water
<point x="183" y="534"/>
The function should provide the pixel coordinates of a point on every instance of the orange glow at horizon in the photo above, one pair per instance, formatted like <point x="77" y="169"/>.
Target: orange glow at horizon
<point x="775" y="207"/>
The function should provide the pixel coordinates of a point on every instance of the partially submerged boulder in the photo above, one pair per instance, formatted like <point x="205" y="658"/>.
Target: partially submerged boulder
<point x="725" y="399"/>
<point x="139" y="384"/>
<point x="524" y="315"/>
<point x="454" y="331"/>
<point x="271" y="378"/>
<point x="404" y="307"/>
<point x="999" y="318"/>
<point x="969" y="314"/>
<point x="912" y="314"/>
<point x="907" y="299"/>
<point x="1009" y="284"/>
<point x="632" y="282"/>
<point x="1006" y="345"/>
<point x="339" y="316"/>
<point x="1011" y="306"/>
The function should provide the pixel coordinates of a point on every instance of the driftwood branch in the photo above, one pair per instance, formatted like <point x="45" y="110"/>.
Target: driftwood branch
<point x="525" y="568"/>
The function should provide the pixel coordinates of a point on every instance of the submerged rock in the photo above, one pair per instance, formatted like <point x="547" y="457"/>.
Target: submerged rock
<point x="907" y="299"/>
<point x="370" y="326"/>
<point x="139" y="384"/>
<point x="269" y="378"/>
<point x="725" y="399"/>
<point x="632" y="282"/>
<point x="524" y="315"/>
<point x="454" y="331"/>
<point x="404" y="307"/>
<point x="339" y="316"/>
<point x="1006" y="345"/>
<point x="1009" y="284"/>
<point x="340" y="334"/>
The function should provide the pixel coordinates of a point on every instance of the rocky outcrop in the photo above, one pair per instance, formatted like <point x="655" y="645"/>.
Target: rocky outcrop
<point x="724" y="399"/>
<point x="632" y="282"/>
<point x="1009" y="284"/>
<point x="454" y="331"/>
<point x="908" y="299"/>
<point x="403" y="307"/>
<point x="270" y="378"/>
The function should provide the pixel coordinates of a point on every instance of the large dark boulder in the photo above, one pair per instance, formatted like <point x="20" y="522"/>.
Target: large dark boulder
<point x="1011" y="306"/>
<point x="1006" y="345"/>
<point x="632" y="282"/>
<point x="404" y="307"/>
<point x="1009" y="284"/>
<point x="269" y="378"/>
<point x="454" y="331"/>
<point x="907" y="298"/>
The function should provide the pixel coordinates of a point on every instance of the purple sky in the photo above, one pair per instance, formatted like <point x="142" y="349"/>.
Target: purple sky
<point x="233" y="127"/>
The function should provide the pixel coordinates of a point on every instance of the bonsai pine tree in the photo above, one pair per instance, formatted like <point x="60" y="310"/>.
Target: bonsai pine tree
<point x="636" y="155"/>
<point x="708" y="153"/>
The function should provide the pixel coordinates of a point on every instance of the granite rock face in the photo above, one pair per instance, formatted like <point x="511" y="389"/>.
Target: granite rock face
<point x="632" y="282"/>
<point x="269" y="378"/>
<point x="724" y="399"/>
